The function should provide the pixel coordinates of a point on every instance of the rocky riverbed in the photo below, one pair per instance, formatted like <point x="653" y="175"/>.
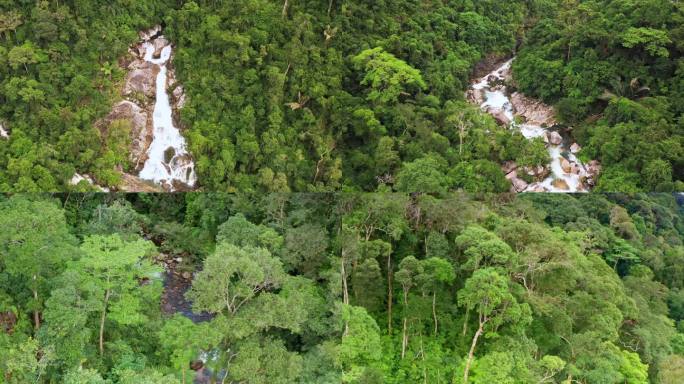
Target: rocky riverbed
<point x="177" y="282"/>
<point x="565" y="173"/>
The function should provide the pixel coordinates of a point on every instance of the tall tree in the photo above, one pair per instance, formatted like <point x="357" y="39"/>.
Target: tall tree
<point x="115" y="267"/>
<point x="35" y="245"/>
<point x="487" y="293"/>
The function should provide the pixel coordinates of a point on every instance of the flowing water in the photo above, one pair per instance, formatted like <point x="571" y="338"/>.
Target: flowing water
<point x="496" y="101"/>
<point x="169" y="163"/>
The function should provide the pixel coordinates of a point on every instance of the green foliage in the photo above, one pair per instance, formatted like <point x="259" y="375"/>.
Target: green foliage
<point x="102" y="306"/>
<point x="540" y="288"/>
<point x="388" y="77"/>
<point x="610" y="67"/>
<point x="653" y="40"/>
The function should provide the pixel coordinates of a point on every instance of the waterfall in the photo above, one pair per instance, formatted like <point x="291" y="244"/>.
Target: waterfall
<point x="168" y="162"/>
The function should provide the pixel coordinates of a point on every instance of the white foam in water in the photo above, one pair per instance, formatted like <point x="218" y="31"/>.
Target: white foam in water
<point x="496" y="98"/>
<point x="166" y="136"/>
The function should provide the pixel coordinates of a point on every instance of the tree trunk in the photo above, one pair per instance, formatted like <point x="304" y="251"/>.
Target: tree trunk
<point x="330" y="5"/>
<point x="286" y="5"/>
<point x="102" y="321"/>
<point x="434" y="310"/>
<point x="345" y="291"/>
<point x="389" y="294"/>
<point x="471" y="353"/>
<point x="36" y="313"/>
<point x="404" y="333"/>
<point x="404" y="341"/>
<point x="465" y="321"/>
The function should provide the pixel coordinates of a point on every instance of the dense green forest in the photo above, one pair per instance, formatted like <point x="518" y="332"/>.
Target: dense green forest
<point x="302" y="95"/>
<point x="615" y="71"/>
<point x="326" y="288"/>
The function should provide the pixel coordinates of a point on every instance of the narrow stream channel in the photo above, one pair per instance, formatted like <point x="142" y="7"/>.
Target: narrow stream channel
<point x="567" y="173"/>
<point x="169" y="163"/>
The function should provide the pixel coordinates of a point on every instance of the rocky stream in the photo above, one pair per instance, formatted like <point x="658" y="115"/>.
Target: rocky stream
<point x="565" y="173"/>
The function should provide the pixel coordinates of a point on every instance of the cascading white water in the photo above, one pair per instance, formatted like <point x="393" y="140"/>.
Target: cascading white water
<point x="495" y="100"/>
<point x="168" y="161"/>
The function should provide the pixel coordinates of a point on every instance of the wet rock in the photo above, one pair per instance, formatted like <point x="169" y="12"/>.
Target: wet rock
<point x="535" y="112"/>
<point x="560" y="184"/>
<point x="574" y="148"/>
<point x="159" y="44"/>
<point x="169" y="153"/>
<point x="554" y="138"/>
<point x="565" y="165"/>
<point x="187" y="275"/>
<point x="142" y="132"/>
<point x="576" y="169"/>
<point x="182" y="161"/>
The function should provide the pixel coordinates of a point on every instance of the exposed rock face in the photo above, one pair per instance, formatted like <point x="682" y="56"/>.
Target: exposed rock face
<point x="150" y="33"/>
<point x="141" y="79"/>
<point x="519" y="185"/>
<point x="500" y="116"/>
<point x="535" y="112"/>
<point x="141" y="128"/>
<point x="474" y="96"/>
<point x="509" y="166"/>
<point x="179" y="96"/>
<point x="593" y="169"/>
<point x="130" y="183"/>
<point x="159" y="44"/>
<point x="537" y="188"/>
